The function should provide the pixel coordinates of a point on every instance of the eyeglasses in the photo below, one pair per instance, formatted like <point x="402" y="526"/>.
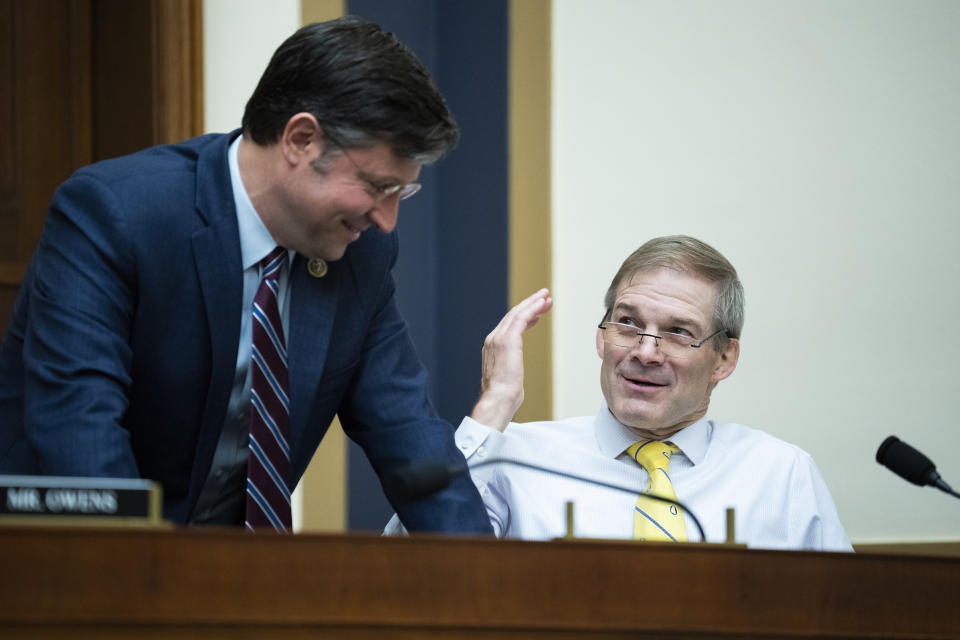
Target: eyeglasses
<point x="379" y="191"/>
<point x="673" y="345"/>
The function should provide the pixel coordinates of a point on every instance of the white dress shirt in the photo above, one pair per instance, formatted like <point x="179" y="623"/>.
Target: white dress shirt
<point x="780" y="499"/>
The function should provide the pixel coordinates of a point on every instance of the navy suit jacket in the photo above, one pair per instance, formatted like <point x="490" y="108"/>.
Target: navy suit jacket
<point x="121" y="353"/>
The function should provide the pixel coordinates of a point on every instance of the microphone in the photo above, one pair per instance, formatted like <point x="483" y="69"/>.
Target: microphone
<point x="911" y="465"/>
<point x="422" y="479"/>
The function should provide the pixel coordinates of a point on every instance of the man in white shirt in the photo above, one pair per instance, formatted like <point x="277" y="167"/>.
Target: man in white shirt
<point x="671" y="332"/>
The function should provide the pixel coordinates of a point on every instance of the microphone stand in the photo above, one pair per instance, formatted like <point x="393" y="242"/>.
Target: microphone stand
<point x="423" y="479"/>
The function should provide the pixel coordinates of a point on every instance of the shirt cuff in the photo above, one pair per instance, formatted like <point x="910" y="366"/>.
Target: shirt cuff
<point x="476" y="441"/>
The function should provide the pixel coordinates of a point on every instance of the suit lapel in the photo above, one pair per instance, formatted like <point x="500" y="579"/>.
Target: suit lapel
<point x="313" y="307"/>
<point x="219" y="270"/>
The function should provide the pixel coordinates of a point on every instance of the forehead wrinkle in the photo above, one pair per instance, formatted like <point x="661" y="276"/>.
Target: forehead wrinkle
<point x="664" y="303"/>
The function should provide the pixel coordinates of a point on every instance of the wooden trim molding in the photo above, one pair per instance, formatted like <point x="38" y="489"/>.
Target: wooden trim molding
<point x="320" y="10"/>
<point x="177" y="69"/>
<point x="950" y="548"/>
<point x="531" y="240"/>
<point x="324" y="483"/>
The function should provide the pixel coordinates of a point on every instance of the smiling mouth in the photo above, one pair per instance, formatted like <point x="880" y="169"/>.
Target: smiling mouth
<point x="353" y="229"/>
<point x="642" y="383"/>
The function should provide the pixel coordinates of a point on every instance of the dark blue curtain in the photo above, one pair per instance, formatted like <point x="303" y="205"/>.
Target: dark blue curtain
<point x="452" y="272"/>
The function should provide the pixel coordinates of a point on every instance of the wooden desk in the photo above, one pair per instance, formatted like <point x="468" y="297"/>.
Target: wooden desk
<point x="99" y="583"/>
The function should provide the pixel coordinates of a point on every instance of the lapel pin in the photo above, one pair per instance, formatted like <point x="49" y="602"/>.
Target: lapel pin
<point x="317" y="267"/>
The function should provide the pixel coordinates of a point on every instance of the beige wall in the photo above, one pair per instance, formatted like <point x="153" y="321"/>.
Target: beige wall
<point x="239" y="37"/>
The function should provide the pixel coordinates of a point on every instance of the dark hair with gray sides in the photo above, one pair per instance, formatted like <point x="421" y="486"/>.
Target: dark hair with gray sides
<point x="360" y="83"/>
<point x="689" y="254"/>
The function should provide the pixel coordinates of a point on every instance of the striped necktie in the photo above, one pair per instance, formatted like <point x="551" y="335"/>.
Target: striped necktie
<point x="653" y="519"/>
<point x="268" y="460"/>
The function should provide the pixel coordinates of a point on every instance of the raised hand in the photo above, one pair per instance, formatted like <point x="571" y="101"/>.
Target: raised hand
<point x="501" y="382"/>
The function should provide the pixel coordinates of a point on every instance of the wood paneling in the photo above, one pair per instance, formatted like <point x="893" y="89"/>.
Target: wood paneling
<point x="45" y="117"/>
<point x="83" y="583"/>
<point x="83" y="80"/>
<point x="147" y="70"/>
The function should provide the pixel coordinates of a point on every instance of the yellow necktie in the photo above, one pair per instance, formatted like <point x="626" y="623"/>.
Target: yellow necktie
<point x="653" y="519"/>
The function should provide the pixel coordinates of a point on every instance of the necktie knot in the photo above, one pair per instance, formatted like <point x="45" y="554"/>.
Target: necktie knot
<point x="272" y="264"/>
<point x="652" y="454"/>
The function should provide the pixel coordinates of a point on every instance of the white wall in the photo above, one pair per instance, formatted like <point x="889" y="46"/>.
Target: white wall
<point x="817" y="145"/>
<point x="239" y="37"/>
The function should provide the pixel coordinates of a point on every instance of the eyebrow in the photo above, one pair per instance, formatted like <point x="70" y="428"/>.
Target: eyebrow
<point x="671" y="320"/>
<point x="380" y="179"/>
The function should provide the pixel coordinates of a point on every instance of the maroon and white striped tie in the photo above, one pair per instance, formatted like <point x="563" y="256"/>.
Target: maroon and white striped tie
<point x="268" y="462"/>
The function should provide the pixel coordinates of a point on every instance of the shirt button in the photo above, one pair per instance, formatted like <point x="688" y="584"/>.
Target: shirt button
<point x="481" y="452"/>
<point x="466" y="442"/>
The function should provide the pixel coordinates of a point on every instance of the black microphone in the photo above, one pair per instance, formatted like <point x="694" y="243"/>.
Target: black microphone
<point x="422" y="479"/>
<point x="911" y="465"/>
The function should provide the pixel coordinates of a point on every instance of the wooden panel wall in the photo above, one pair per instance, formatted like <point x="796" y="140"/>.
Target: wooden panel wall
<point x="45" y="114"/>
<point x="83" y="80"/>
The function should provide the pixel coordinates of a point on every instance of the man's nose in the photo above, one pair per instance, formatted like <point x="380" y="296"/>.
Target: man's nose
<point x="384" y="214"/>
<point x="647" y="350"/>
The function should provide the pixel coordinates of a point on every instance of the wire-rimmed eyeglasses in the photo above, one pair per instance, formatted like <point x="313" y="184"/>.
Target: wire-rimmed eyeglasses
<point x="377" y="190"/>
<point x="674" y="345"/>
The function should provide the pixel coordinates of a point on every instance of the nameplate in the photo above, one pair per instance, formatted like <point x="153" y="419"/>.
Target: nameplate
<point x="78" y="501"/>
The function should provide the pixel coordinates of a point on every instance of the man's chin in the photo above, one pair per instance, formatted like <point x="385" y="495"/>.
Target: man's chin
<point x="327" y="254"/>
<point x="635" y="418"/>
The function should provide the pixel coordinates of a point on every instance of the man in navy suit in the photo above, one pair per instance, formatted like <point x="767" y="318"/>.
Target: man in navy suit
<point x="129" y="350"/>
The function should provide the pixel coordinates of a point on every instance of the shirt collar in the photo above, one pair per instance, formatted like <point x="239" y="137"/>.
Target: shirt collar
<point x="255" y="240"/>
<point x="613" y="437"/>
<point x="693" y="440"/>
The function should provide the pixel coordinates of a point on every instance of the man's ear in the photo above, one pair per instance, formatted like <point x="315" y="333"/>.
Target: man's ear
<point x="727" y="361"/>
<point x="600" y="342"/>
<point x="302" y="138"/>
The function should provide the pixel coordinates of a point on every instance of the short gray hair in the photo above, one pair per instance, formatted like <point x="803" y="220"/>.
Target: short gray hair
<point x="689" y="254"/>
